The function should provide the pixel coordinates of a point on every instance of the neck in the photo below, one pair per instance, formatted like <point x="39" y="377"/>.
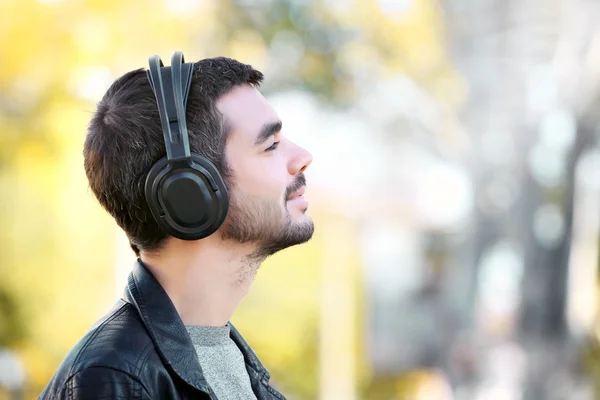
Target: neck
<point x="205" y="279"/>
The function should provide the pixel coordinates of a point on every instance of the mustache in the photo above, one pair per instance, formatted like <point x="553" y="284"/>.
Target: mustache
<point x="298" y="183"/>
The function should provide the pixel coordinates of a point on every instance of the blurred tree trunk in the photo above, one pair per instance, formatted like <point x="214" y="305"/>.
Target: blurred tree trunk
<point x="499" y="46"/>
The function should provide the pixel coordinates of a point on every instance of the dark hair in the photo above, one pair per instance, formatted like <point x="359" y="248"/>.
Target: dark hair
<point x="124" y="139"/>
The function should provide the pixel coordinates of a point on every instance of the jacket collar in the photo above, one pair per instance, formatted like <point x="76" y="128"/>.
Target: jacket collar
<point x="249" y="355"/>
<point x="169" y="333"/>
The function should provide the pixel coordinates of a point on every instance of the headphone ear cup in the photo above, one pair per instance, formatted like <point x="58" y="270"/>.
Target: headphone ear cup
<point x="188" y="199"/>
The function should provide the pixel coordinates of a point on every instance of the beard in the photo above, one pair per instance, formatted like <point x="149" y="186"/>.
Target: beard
<point x="265" y="223"/>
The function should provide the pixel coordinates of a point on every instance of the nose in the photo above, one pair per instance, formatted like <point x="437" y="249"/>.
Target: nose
<point x="300" y="161"/>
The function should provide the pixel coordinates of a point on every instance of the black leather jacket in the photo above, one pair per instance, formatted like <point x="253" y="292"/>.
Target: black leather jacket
<point x="141" y="350"/>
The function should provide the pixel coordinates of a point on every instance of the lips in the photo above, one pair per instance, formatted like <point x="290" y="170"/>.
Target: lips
<point x="297" y="193"/>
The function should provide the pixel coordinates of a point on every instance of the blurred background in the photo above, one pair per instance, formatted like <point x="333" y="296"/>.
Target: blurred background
<point x="455" y="189"/>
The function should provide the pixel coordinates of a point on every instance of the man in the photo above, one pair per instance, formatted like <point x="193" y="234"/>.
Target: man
<point x="170" y="336"/>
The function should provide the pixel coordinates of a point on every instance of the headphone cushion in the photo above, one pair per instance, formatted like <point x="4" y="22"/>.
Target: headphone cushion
<point x="188" y="199"/>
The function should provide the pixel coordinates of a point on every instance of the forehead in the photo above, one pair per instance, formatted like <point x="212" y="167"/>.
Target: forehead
<point x="246" y="111"/>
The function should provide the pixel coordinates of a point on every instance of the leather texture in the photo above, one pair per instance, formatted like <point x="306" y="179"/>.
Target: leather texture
<point x="141" y="350"/>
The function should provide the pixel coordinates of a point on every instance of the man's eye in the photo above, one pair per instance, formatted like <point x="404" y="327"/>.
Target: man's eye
<point x="273" y="146"/>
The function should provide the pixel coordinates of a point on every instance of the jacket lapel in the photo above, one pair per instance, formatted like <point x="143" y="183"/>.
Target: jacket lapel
<point x="164" y="326"/>
<point x="259" y="375"/>
<point x="249" y="355"/>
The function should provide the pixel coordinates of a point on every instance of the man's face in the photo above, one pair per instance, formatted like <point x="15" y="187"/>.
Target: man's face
<point x="265" y="192"/>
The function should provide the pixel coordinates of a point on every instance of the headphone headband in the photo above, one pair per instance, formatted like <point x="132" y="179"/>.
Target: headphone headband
<point x="172" y="104"/>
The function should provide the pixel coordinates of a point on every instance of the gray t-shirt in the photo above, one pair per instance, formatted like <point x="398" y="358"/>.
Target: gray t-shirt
<point x="222" y="362"/>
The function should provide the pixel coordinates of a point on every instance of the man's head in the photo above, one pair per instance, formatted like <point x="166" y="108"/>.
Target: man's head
<point x="227" y="120"/>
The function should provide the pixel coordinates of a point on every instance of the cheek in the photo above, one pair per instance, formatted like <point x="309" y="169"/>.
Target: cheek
<point x="260" y="178"/>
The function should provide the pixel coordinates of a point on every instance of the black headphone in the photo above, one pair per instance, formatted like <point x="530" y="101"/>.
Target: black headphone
<point x="185" y="191"/>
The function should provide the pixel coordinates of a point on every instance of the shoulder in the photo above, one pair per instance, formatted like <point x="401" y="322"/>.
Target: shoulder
<point x="108" y="358"/>
<point x="95" y="383"/>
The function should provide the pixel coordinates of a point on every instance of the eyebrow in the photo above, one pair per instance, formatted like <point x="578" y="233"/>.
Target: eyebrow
<point x="269" y="129"/>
